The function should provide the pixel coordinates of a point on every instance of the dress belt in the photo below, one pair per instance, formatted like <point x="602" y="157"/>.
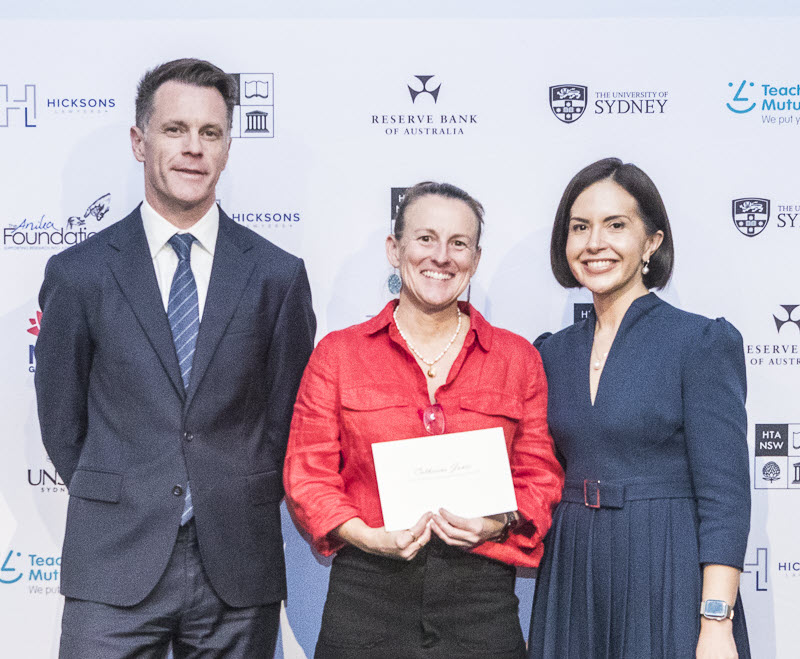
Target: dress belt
<point x="607" y="494"/>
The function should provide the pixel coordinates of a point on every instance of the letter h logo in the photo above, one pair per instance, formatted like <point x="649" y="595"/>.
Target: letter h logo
<point x="759" y="568"/>
<point x="27" y="105"/>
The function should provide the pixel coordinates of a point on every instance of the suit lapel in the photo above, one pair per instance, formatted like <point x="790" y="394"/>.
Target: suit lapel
<point x="133" y="269"/>
<point x="230" y="273"/>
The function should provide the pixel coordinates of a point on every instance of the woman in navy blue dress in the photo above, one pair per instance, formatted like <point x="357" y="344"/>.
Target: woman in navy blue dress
<point x="646" y="407"/>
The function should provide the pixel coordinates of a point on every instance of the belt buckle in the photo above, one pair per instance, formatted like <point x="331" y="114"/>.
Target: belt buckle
<point x="591" y="489"/>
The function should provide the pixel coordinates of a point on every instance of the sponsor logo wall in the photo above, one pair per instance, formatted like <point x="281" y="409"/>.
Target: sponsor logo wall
<point x="335" y="120"/>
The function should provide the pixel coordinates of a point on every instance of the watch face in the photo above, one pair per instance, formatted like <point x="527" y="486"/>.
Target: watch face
<point x="716" y="608"/>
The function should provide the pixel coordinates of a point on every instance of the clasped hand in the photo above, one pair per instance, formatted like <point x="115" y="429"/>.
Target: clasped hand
<point x="456" y="531"/>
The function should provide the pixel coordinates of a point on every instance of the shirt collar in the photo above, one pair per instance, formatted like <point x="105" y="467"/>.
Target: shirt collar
<point x="478" y="324"/>
<point x="158" y="231"/>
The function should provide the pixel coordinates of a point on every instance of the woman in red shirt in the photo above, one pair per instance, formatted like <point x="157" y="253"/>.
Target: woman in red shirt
<point x="445" y="586"/>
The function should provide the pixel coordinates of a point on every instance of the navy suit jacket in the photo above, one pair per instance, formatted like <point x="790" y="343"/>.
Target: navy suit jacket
<point x="126" y="437"/>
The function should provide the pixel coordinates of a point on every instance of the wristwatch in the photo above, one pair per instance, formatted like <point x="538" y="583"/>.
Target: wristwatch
<point x="512" y="519"/>
<point x="716" y="610"/>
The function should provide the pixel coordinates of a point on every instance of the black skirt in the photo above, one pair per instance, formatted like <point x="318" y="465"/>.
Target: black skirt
<point x="444" y="603"/>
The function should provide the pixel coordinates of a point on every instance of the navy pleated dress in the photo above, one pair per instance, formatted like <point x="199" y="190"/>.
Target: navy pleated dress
<point x="657" y="485"/>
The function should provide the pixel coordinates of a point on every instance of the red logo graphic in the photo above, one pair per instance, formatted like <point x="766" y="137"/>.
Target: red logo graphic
<point x="35" y="322"/>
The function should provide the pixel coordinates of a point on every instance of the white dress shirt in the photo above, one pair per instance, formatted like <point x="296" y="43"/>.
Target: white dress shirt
<point x="158" y="231"/>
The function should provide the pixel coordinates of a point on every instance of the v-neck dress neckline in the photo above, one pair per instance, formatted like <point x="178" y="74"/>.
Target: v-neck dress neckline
<point x="634" y="311"/>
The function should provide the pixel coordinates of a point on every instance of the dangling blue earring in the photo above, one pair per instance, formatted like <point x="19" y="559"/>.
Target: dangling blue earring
<point x="395" y="283"/>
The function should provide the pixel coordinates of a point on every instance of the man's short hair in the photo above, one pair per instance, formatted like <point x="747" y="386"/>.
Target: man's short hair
<point x="191" y="72"/>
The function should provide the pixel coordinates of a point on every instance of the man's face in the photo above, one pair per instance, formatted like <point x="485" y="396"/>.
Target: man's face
<point x="184" y="148"/>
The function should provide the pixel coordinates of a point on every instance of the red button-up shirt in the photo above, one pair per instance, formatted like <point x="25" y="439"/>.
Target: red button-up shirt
<point x="363" y="385"/>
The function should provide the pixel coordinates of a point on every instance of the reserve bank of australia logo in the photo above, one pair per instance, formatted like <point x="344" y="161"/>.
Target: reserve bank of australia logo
<point x="427" y="88"/>
<point x="568" y="102"/>
<point x="789" y="309"/>
<point x="750" y="215"/>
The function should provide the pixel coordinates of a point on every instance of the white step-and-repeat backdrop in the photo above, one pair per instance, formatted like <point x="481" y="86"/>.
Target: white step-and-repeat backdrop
<point x="334" y="117"/>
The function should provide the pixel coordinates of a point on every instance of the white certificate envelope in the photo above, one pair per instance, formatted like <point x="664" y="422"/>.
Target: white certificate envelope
<point x="465" y="472"/>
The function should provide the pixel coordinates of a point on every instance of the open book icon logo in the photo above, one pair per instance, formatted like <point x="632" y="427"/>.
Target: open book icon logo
<point x="256" y="89"/>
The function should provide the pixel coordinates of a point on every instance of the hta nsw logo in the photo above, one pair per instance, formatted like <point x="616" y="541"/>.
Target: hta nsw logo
<point x="18" y="108"/>
<point x="426" y="88"/>
<point x="741" y="102"/>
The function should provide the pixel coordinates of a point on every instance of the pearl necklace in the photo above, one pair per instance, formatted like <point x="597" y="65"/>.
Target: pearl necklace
<point x="599" y="361"/>
<point x="430" y="364"/>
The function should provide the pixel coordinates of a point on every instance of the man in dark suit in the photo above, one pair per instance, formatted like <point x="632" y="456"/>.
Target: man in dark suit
<point x="170" y="352"/>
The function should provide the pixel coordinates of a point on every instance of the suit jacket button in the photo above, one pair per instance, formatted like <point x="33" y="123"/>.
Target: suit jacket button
<point x="188" y="436"/>
<point x="177" y="490"/>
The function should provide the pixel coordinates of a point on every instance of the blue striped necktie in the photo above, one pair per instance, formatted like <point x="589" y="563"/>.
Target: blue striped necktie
<point x="183" y="311"/>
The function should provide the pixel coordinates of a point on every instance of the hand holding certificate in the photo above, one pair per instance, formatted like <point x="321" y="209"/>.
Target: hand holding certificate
<point x="467" y="473"/>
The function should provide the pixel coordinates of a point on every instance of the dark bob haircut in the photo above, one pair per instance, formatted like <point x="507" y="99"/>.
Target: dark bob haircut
<point x="651" y="209"/>
<point x="446" y="190"/>
<point x="189" y="71"/>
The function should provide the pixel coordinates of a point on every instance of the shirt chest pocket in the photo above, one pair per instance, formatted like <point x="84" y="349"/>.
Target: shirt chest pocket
<point x="491" y="408"/>
<point x="375" y="414"/>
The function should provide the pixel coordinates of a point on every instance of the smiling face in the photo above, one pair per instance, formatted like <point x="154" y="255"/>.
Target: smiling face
<point x="437" y="253"/>
<point x="184" y="148"/>
<point x="607" y="241"/>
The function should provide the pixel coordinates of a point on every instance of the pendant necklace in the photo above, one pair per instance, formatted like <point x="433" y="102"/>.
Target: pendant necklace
<point x="429" y="363"/>
<point x="598" y="362"/>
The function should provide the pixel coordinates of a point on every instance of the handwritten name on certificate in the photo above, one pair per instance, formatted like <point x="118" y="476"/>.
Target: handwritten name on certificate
<point x="465" y="472"/>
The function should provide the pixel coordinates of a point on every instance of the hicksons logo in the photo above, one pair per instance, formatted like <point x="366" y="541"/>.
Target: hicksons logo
<point x="25" y="104"/>
<point x="751" y="215"/>
<point x="769" y="564"/>
<point x="569" y="102"/>
<point x="426" y="111"/>
<point x="44" y="233"/>
<point x="781" y="347"/>
<point x="775" y="103"/>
